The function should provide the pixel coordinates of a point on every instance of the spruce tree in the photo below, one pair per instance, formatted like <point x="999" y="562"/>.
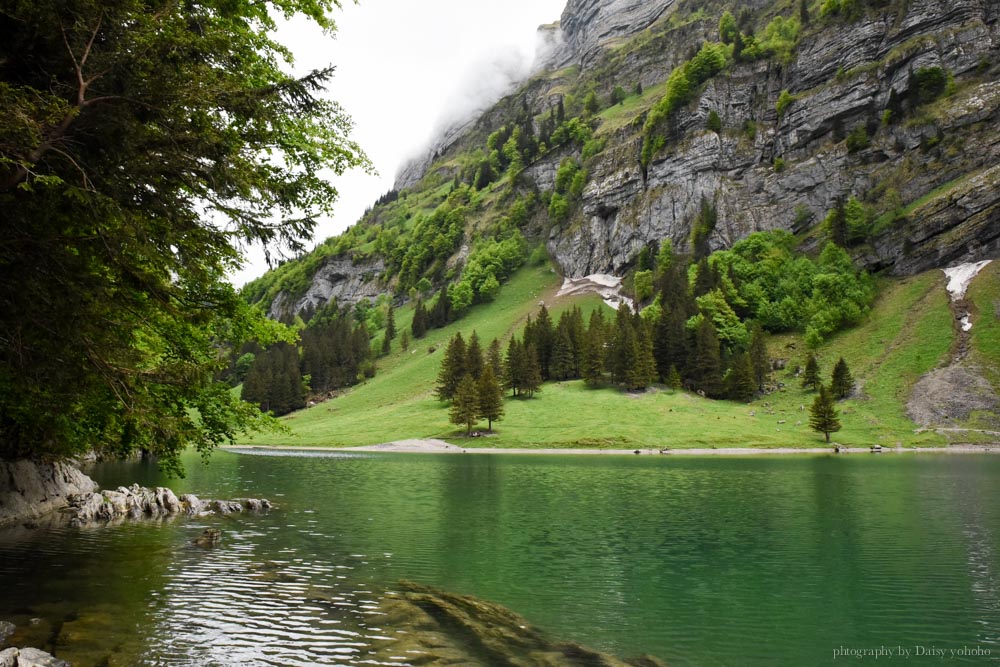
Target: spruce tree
<point x="842" y="384"/>
<point x="386" y="344"/>
<point x="404" y="341"/>
<point x="390" y="324"/>
<point x="490" y="395"/>
<point x="562" y="364"/>
<point x="452" y="368"/>
<point x="544" y="340"/>
<point x="810" y="376"/>
<point x="823" y="415"/>
<point x="465" y="404"/>
<point x="643" y="371"/>
<point x="836" y="224"/>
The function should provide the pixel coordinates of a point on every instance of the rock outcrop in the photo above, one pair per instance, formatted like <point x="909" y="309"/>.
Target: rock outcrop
<point x="432" y="627"/>
<point x="29" y="657"/>
<point x="136" y="502"/>
<point x="340" y="279"/>
<point x="29" y="489"/>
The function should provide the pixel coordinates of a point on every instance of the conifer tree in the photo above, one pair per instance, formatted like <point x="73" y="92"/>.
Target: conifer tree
<point x="842" y="384"/>
<point x="531" y="378"/>
<point x="419" y="325"/>
<point x="494" y="359"/>
<point x="452" y="368"/>
<point x="543" y="338"/>
<point x="741" y="384"/>
<point x="836" y="223"/>
<point x="513" y="369"/>
<point x="673" y="378"/>
<point x="810" y="376"/>
<point x="643" y="370"/>
<point x="386" y="344"/>
<point x="404" y="341"/>
<point x="760" y="364"/>
<point x="705" y="368"/>
<point x="465" y="404"/>
<point x="474" y="357"/>
<point x="490" y="395"/>
<point x="390" y="324"/>
<point x="823" y="415"/>
<point x="622" y="348"/>
<point x="592" y="362"/>
<point x="562" y="365"/>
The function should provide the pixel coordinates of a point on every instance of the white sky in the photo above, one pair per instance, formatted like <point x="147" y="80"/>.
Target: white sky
<point x="403" y="67"/>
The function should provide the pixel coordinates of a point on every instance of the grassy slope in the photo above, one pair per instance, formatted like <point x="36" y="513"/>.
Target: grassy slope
<point x="984" y="295"/>
<point x="909" y="332"/>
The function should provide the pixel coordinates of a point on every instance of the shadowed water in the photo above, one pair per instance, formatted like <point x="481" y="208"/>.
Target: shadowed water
<point x="700" y="561"/>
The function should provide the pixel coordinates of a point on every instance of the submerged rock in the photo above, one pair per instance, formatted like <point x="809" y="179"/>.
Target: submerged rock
<point x="432" y="627"/>
<point x="210" y="537"/>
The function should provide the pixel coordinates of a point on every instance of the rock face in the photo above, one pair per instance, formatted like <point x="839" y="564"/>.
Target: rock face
<point x="589" y="25"/>
<point x="842" y="79"/>
<point x="340" y="278"/>
<point x="437" y="628"/>
<point x="29" y="490"/>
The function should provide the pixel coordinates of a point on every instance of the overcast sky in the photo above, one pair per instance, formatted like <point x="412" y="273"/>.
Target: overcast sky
<point x="403" y="68"/>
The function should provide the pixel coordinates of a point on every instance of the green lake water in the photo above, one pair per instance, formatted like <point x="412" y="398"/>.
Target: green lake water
<point x="699" y="561"/>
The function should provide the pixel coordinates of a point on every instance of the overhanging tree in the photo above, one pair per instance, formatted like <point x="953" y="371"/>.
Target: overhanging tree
<point x="142" y="142"/>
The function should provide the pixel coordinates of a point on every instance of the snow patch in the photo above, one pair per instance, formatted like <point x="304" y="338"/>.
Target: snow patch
<point x="608" y="287"/>
<point x="959" y="278"/>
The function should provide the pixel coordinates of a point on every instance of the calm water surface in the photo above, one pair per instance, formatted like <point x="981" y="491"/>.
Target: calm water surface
<point x="699" y="561"/>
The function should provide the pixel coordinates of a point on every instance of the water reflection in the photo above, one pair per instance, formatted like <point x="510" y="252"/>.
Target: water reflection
<point x="700" y="561"/>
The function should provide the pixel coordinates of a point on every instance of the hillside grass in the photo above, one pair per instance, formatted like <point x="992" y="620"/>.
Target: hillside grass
<point x="908" y="333"/>
<point x="984" y="296"/>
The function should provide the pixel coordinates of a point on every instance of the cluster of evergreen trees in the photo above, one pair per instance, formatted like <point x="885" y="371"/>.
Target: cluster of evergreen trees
<point x="470" y="380"/>
<point x="823" y="415"/>
<point x="334" y="352"/>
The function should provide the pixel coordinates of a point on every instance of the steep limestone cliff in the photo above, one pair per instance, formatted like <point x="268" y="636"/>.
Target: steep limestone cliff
<point x="926" y="171"/>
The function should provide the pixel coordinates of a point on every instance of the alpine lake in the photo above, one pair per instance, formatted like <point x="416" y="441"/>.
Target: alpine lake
<point x="763" y="560"/>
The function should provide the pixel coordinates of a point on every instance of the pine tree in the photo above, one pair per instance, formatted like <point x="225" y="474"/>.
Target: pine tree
<point x="673" y="378"/>
<point x="842" y="384"/>
<point x="490" y="395"/>
<point x="386" y="344"/>
<point x="465" y="404"/>
<point x="544" y="340"/>
<point x="836" y="223"/>
<point x="823" y="415"/>
<point x="760" y="363"/>
<point x="452" y="368"/>
<point x="404" y="341"/>
<point x="621" y="345"/>
<point x="810" y="376"/>
<point x="803" y="13"/>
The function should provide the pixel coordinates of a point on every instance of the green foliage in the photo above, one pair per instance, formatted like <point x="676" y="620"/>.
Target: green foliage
<point x="453" y="368"/>
<point x="591" y="105"/>
<point x="642" y="283"/>
<point x="133" y="144"/>
<point x="714" y="123"/>
<point x="778" y="40"/>
<point x="784" y="100"/>
<point x="779" y="164"/>
<point x="681" y="84"/>
<point x="858" y="139"/>
<point x="558" y="207"/>
<point x="927" y="84"/>
<point x="727" y="28"/>
<point x="618" y="95"/>
<point x="489" y="397"/>
<point x="786" y="292"/>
